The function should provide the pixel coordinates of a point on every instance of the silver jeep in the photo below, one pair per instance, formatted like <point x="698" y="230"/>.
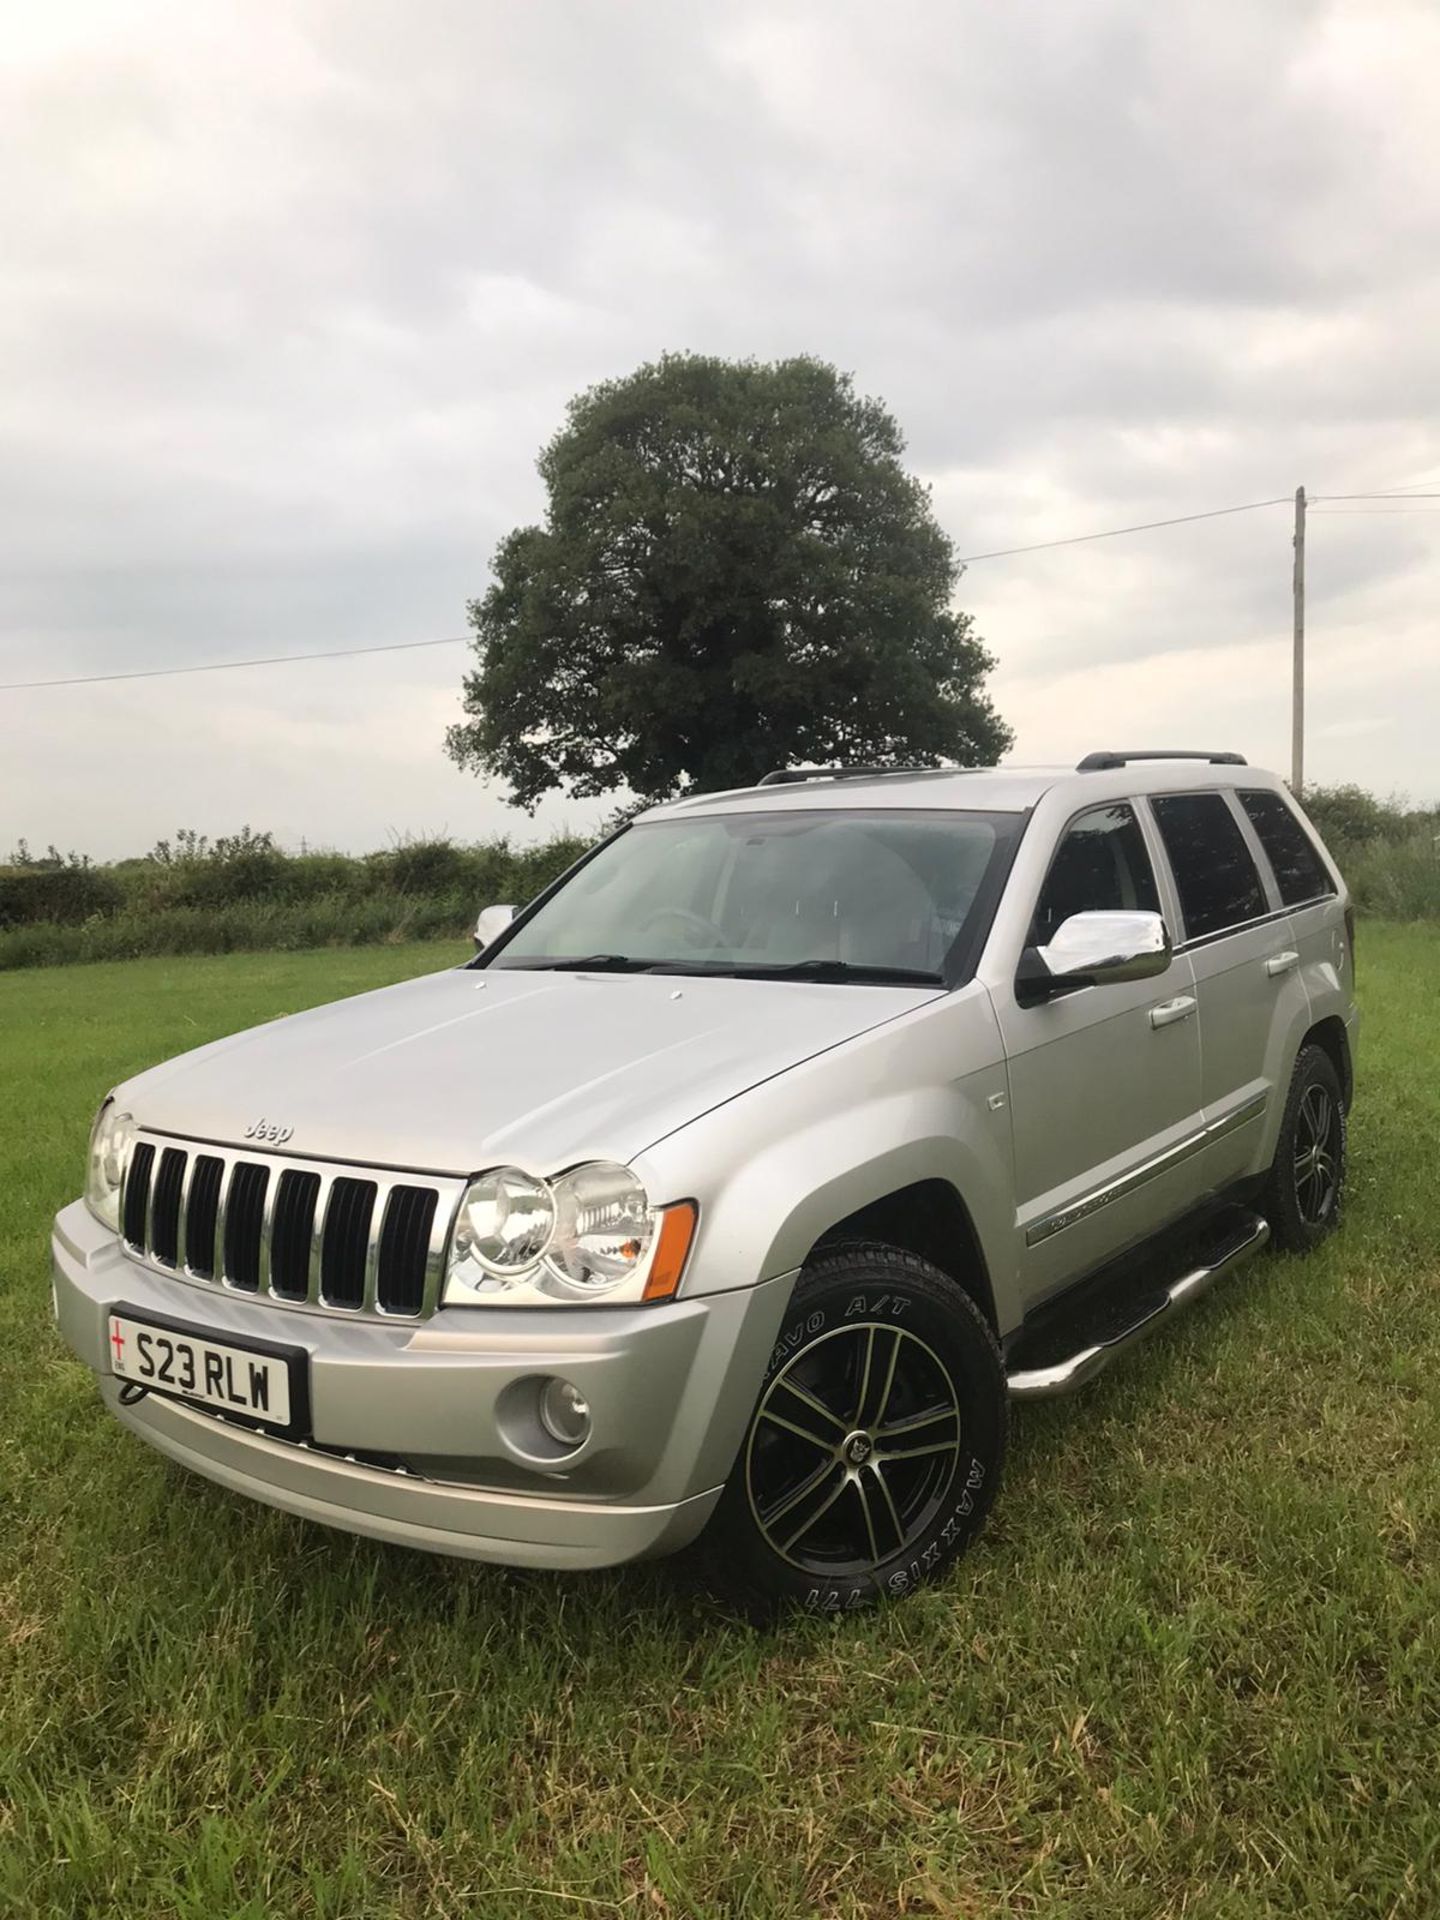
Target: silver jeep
<point x="743" y="1179"/>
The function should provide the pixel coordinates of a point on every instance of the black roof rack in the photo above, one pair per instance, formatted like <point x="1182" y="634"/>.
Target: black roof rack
<point x="793" y="776"/>
<point x="1104" y="762"/>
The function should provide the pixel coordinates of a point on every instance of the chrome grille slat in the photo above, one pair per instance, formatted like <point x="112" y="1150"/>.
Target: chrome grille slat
<point x="217" y="1258"/>
<point x="149" y="1239"/>
<point x="182" y="1218"/>
<point x="386" y="1245"/>
<point x="317" y="1236"/>
<point x="383" y="1191"/>
<point x="435" y="1258"/>
<point x="267" y="1230"/>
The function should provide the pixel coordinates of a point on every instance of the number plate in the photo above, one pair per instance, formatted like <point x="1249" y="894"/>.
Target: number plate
<point x="252" y="1379"/>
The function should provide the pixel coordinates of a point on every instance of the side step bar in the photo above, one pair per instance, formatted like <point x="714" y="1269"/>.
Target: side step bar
<point x="1064" y="1376"/>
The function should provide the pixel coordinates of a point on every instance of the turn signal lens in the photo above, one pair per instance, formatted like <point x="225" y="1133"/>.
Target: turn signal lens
<point x="672" y="1248"/>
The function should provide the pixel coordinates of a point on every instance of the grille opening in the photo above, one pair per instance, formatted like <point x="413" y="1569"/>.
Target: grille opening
<point x="404" y="1249"/>
<point x="201" y="1213"/>
<point x="165" y="1207"/>
<point x="345" y="1242"/>
<point x="137" y="1193"/>
<point x="291" y="1232"/>
<point x="244" y="1216"/>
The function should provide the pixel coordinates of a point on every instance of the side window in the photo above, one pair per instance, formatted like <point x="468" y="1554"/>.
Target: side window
<point x="1100" y="866"/>
<point x="1299" y="871"/>
<point x="1218" y="883"/>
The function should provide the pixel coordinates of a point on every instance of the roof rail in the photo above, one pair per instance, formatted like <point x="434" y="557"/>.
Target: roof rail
<point x="793" y="776"/>
<point x="1104" y="762"/>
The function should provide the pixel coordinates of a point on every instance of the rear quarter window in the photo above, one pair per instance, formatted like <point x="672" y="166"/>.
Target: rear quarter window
<point x="1299" y="871"/>
<point x="1218" y="882"/>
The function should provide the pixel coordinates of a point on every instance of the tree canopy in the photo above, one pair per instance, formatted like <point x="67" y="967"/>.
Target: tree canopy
<point x="735" y="573"/>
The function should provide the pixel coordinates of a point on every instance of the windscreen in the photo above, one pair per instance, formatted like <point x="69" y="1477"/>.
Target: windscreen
<point x="887" y="892"/>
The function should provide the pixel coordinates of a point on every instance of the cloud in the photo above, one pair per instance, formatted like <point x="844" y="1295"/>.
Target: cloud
<point x="290" y="297"/>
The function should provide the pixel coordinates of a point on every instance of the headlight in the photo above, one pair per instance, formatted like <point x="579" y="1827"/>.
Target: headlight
<point x="111" y="1139"/>
<point x="592" y="1233"/>
<point x="505" y="1222"/>
<point x="604" y="1227"/>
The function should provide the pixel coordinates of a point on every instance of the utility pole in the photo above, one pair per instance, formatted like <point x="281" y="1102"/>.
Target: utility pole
<point x="1297" y="694"/>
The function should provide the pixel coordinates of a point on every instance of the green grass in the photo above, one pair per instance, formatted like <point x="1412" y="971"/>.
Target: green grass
<point x="1189" y="1670"/>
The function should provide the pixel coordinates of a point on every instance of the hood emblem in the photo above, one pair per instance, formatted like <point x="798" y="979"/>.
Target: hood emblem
<point x="270" y="1131"/>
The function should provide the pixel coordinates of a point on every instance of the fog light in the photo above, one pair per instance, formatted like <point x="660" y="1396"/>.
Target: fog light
<point x="564" y="1413"/>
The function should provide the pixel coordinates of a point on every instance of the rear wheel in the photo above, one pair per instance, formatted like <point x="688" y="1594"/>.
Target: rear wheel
<point x="1306" y="1183"/>
<point x="877" y="1440"/>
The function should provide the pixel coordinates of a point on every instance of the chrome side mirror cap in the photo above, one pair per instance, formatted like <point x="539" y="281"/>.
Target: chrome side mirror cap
<point x="1097" y="950"/>
<point x="492" y="923"/>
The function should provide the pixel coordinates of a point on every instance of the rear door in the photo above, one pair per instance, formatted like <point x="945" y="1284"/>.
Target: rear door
<point x="1105" y="1080"/>
<point x="1309" y="889"/>
<point x="1238" y="939"/>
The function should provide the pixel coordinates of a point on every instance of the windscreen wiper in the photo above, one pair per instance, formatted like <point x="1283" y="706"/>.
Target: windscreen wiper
<point x="581" y="963"/>
<point x="840" y="971"/>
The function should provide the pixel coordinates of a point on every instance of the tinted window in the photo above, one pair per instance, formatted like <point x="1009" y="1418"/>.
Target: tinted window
<point x="1218" y="882"/>
<point x="1100" y="866"/>
<point x="1299" y="873"/>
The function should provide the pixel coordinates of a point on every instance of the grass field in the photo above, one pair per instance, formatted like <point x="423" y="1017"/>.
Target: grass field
<point x="1191" y="1669"/>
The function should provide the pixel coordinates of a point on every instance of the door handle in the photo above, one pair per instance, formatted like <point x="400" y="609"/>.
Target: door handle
<point x="1281" y="963"/>
<point x="1169" y="1011"/>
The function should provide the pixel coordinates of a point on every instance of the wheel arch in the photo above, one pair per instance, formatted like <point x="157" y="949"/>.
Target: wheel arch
<point x="929" y="1218"/>
<point x="1331" y="1035"/>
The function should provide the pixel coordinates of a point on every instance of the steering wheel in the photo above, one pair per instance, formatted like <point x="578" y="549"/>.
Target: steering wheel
<point x="712" y="935"/>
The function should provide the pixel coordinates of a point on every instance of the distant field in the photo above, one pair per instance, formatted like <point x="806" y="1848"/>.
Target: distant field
<point x="1190" y="1669"/>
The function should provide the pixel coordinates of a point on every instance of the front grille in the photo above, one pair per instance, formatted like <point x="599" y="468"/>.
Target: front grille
<point x="302" y="1233"/>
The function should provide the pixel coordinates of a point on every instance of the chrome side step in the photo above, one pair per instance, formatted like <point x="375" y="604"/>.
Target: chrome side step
<point x="1065" y="1375"/>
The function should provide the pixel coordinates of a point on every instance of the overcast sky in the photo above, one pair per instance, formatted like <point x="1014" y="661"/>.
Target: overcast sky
<point x="291" y="294"/>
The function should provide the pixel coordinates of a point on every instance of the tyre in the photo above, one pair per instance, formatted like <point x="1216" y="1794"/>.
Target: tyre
<point x="1306" y="1183"/>
<point x="877" y="1440"/>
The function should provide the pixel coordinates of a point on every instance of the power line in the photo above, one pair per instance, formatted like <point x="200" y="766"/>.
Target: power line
<point x="1145" y="526"/>
<point x="228" y="666"/>
<point x="998" y="553"/>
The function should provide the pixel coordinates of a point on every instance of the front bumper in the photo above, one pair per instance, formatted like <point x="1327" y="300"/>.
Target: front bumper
<point x="435" y="1410"/>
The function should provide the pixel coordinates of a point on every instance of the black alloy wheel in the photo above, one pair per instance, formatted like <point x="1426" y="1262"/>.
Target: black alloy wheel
<point x="1319" y="1144"/>
<point x="1305" y="1188"/>
<point x="853" y="1446"/>
<point x="877" y="1439"/>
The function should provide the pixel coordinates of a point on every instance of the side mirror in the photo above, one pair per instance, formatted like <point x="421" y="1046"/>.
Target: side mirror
<point x="491" y="924"/>
<point x="1096" y="950"/>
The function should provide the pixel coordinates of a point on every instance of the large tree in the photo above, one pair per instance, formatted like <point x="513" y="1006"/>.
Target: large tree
<point x="735" y="573"/>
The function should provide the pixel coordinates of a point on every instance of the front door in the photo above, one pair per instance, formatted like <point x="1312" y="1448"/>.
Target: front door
<point x="1104" y="1080"/>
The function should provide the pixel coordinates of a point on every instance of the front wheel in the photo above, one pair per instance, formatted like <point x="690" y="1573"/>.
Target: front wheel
<point x="877" y="1441"/>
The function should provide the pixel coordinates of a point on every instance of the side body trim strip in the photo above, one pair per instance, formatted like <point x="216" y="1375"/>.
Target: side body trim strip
<point x="1103" y="1196"/>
